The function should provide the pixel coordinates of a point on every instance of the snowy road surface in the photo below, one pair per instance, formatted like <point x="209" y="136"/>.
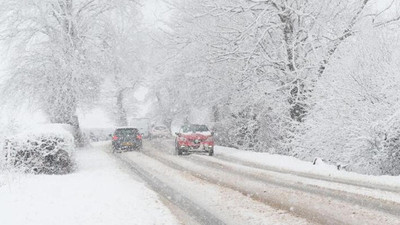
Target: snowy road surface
<point x="99" y="192"/>
<point x="208" y="203"/>
<point x="238" y="194"/>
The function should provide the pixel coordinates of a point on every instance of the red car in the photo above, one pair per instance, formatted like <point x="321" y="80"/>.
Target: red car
<point x="194" y="137"/>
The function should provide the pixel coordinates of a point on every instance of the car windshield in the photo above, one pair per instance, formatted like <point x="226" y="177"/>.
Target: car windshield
<point x="194" y="128"/>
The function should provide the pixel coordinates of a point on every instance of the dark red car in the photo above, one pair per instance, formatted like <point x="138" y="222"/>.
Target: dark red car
<point x="126" y="138"/>
<point x="194" y="137"/>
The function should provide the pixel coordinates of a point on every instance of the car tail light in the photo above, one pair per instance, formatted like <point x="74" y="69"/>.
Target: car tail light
<point x="115" y="137"/>
<point x="139" y="137"/>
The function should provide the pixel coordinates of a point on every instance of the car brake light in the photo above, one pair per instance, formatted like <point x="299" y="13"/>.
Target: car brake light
<point x="115" y="137"/>
<point x="139" y="137"/>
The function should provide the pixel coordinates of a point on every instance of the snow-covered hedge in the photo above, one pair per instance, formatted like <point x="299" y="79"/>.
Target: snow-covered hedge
<point x="355" y="117"/>
<point x="46" y="149"/>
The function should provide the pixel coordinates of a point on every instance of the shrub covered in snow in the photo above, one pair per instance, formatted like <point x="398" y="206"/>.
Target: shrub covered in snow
<point x="355" y="118"/>
<point x="46" y="149"/>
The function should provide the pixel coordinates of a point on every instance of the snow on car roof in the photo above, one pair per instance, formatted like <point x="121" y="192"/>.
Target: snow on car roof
<point x="120" y="128"/>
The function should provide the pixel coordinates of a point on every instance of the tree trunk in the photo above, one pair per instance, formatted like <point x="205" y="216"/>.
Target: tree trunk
<point x="121" y="112"/>
<point x="79" y="139"/>
<point x="64" y="107"/>
<point x="215" y="113"/>
<point x="298" y="108"/>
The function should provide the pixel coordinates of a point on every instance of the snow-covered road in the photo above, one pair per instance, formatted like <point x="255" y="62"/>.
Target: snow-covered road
<point x="206" y="202"/>
<point x="224" y="189"/>
<point x="98" y="192"/>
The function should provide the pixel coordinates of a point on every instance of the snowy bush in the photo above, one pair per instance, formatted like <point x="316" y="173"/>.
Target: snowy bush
<point x="387" y="145"/>
<point x="355" y="118"/>
<point x="45" y="150"/>
<point x="255" y="126"/>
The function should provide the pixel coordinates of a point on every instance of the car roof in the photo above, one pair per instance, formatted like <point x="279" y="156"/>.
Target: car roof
<point x="126" y="128"/>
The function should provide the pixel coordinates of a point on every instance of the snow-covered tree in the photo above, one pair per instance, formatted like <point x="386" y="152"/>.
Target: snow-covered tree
<point x="356" y="116"/>
<point x="127" y="64"/>
<point x="61" y="49"/>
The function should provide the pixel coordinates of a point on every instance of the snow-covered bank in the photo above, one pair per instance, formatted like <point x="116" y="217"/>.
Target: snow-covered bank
<point x="99" y="192"/>
<point x="291" y="164"/>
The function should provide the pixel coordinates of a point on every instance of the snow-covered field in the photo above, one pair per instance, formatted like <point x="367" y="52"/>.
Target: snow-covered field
<point x="98" y="192"/>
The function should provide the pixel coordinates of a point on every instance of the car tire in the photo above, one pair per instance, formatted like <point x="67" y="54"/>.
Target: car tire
<point x="178" y="151"/>
<point x="211" y="152"/>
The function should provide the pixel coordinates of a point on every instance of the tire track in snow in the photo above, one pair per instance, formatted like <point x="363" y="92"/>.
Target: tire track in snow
<point x="193" y="210"/>
<point x="385" y="206"/>
<point x="372" y="202"/>
<point x="311" y="176"/>
<point x="305" y="210"/>
<point x="361" y="184"/>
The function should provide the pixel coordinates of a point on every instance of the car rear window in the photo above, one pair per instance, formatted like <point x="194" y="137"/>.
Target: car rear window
<point x="126" y="132"/>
